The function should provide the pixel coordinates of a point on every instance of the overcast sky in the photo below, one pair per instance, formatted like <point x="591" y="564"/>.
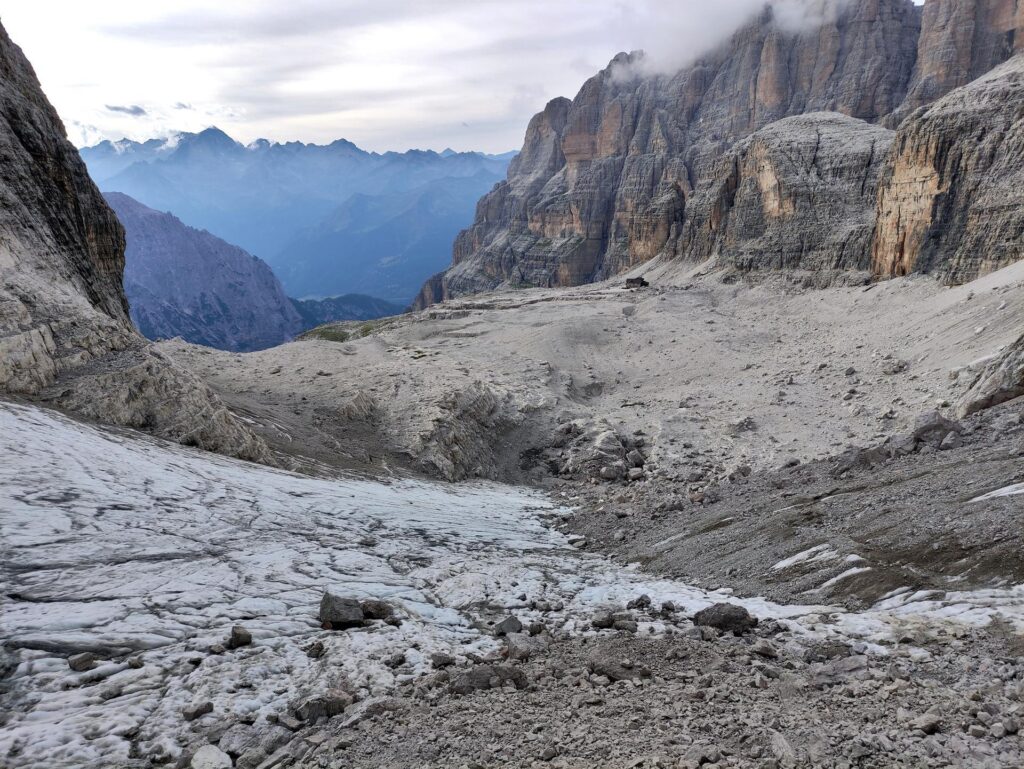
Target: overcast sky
<point x="386" y="74"/>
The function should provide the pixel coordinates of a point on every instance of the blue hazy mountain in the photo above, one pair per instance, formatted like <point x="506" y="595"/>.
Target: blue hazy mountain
<point x="275" y="199"/>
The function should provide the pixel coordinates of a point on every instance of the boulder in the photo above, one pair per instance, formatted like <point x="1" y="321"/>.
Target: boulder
<point x="327" y="705"/>
<point x="210" y="757"/>
<point x="239" y="637"/>
<point x="508" y="625"/>
<point x="487" y="677"/>
<point x="520" y="646"/>
<point x="1001" y="380"/>
<point x="197" y="710"/>
<point x="603" y="662"/>
<point x="931" y="428"/>
<point x="375" y="609"/>
<point x="82" y="662"/>
<point x="339" y="613"/>
<point x="727" y="618"/>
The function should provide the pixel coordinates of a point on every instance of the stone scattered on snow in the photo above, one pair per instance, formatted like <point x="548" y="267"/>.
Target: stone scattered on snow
<point x="82" y="662"/>
<point x="210" y="757"/>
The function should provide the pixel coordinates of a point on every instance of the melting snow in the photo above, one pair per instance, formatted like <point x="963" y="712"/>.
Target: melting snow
<point x="1006" y="491"/>
<point x="813" y="555"/>
<point x="130" y="547"/>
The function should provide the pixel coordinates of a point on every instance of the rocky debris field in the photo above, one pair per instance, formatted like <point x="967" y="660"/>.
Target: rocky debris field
<point x="619" y="700"/>
<point x="170" y="607"/>
<point x="917" y="511"/>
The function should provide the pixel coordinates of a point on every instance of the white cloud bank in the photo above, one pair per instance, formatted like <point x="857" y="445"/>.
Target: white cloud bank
<point x="392" y="74"/>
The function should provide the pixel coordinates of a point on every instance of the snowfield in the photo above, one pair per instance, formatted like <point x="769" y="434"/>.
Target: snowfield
<point x="146" y="552"/>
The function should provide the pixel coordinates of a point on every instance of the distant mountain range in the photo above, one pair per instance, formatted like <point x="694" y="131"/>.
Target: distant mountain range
<point x="329" y="219"/>
<point x="185" y="282"/>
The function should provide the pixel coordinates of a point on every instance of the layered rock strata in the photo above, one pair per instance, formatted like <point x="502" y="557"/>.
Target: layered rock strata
<point x="621" y="174"/>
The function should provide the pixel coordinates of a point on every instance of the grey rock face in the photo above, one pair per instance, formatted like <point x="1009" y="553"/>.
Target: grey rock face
<point x="949" y="198"/>
<point x="642" y="167"/>
<point x="186" y="282"/>
<point x="797" y="194"/>
<point x="61" y="248"/>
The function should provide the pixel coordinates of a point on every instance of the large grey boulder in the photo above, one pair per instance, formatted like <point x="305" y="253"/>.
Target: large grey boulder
<point x="339" y="613"/>
<point x="487" y="677"/>
<point x="727" y="618"/>
<point x="210" y="757"/>
<point x="1000" y="381"/>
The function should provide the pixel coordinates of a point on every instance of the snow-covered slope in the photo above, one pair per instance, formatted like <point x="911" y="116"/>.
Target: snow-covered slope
<point x="147" y="553"/>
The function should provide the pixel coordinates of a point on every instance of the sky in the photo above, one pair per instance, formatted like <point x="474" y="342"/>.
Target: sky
<point x="386" y="74"/>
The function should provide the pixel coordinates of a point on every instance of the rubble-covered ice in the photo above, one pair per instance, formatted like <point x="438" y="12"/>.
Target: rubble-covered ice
<point x="146" y="554"/>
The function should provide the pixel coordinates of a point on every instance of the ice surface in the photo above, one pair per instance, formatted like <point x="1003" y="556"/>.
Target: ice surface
<point x="1006" y="491"/>
<point x="125" y="546"/>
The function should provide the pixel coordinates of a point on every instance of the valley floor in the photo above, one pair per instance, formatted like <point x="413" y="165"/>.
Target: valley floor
<point x="673" y="448"/>
<point x="146" y="555"/>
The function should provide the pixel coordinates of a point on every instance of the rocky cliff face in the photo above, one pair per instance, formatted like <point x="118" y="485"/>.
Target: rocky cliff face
<point x="949" y="203"/>
<point x="186" y="282"/>
<point x="61" y="248"/>
<point x="960" y="41"/>
<point x="797" y="194"/>
<point x="65" y="334"/>
<point x="623" y="172"/>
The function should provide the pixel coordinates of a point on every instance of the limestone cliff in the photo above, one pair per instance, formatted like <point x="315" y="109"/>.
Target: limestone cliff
<point x="623" y="173"/>
<point x="949" y="201"/>
<point x="960" y="41"/>
<point x="61" y="248"/>
<point x="797" y="195"/>
<point x="65" y="334"/>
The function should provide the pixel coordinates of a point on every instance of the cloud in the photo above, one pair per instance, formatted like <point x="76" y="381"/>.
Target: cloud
<point x="392" y="74"/>
<point x="134" y="110"/>
<point x="674" y="37"/>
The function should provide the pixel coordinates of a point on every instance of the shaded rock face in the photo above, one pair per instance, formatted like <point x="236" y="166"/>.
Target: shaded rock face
<point x="186" y="282"/>
<point x="317" y="312"/>
<point x="61" y="247"/>
<point x="65" y="334"/>
<point x="949" y="200"/>
<point x="633" y="167"/>
<point x="798" y="194"/>
<point x="960" y="41"/>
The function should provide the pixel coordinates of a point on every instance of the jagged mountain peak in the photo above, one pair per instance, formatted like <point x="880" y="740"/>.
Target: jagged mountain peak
<point x="620" y="174"/>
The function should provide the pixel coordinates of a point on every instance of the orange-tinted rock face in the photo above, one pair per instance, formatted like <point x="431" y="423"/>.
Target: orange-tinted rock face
<point x="606" y="182"/>
<point x="950" y="200"/>
<point x="905" y="212"/>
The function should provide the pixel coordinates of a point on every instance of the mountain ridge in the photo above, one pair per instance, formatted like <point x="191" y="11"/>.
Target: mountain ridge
<point x="266" y="196"/>
<point x="608" y="181"/>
